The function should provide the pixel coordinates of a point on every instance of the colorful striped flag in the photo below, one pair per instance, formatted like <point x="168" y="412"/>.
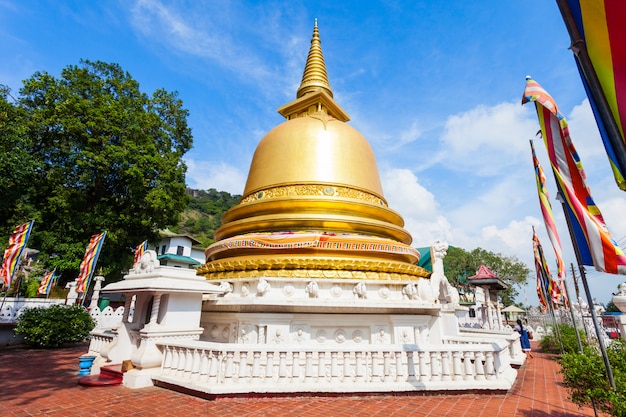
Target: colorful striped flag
<point x="598" y="34"/>
<point x="541" y="275"/>
<point x="17" y="243"/>
<point x="47" y="282"/>
<point x="552" y="290"/>
<point x="88" y="264"/>
<point x="595" y="244"/>
<point x="140" y="250"/>
<point x="548" y="218"/>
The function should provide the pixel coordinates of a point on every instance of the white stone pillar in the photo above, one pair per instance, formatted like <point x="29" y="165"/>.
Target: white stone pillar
<point x="498" y="313"/>
<point x="96" y="292"/>
<point x="488" y="306"/>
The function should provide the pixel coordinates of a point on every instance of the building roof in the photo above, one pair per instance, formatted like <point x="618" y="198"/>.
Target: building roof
<point x="179" y="258"/>
<point x="167" y="233"/>
<point x="486" y="278"/>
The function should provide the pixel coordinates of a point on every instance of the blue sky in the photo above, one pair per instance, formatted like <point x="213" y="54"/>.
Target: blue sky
<point x="434" y="86"/>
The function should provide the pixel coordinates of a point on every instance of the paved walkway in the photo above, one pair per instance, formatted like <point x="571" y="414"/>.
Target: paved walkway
<point x="44" y="383"/>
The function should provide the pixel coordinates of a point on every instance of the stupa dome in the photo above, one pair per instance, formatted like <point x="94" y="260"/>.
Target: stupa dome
<point x="326" y="152"/>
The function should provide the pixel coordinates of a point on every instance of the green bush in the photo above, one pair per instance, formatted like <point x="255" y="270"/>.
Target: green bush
<point x="586" y="380"/>
<point x="54" y="326"/>
<point x="550" y="342"/>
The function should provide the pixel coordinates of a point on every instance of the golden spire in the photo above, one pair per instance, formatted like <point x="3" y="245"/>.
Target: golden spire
<point x="315" y="77"/>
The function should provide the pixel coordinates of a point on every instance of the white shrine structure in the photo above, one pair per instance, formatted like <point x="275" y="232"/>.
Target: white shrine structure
<point x="311" y="287"/>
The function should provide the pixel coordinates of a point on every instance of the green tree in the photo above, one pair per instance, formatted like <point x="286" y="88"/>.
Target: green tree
<point x="109" y="158"/>
<point x="612" y="308"/>
<point x="460" y="264"/>
<point x="18" y="165"/>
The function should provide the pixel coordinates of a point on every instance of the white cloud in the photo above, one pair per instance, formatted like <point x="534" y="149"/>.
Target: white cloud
<point x="488" y="140"/>
<point x="417" y="206"/>
<point x="204" y="175"/>
<point x="205" y="34"/>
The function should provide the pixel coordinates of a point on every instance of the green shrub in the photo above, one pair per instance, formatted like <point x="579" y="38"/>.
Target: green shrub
<point x="586" y="380"/>
<point x="550" y="342"/>
<point x="54" y="326"/>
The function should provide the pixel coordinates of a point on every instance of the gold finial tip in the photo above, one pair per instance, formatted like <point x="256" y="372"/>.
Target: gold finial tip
<point x="315" y="22"/>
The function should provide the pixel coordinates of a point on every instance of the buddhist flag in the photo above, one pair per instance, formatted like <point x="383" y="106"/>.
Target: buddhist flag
<point x="541" y="274"/>
<point x="595" y="244"/>
<point x="88" y="264"/>
<point x="598" y="35"/>
<point x="140" y="250"/>
<point x="47" y="282"/>
<point x="17" y="243"/>
<point x="548" y="218"/>
<point x="545" y="282"/>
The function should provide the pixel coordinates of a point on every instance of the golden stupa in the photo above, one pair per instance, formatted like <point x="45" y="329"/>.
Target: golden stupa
<point x="313" y="205"/>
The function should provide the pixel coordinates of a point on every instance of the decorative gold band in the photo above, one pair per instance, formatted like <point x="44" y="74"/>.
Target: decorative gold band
<point x="314" y="190"/>
<point x="313" y="267"/>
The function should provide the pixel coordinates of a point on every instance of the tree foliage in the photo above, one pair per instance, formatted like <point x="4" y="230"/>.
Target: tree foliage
<point x="18" y="165"/>
<point x="106" y="157"/>
<point x="460" y="264"/>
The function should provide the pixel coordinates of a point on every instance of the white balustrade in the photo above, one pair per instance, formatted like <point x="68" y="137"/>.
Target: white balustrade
<point x="226" y="368"/>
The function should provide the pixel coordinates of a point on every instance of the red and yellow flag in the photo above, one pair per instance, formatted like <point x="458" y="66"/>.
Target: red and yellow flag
<point x="17" y="243"/>
<point x="548" y="218"/>
<point x="88" y="264"/>
<point x="140" y="250"/>
<point x="47" y="282"/>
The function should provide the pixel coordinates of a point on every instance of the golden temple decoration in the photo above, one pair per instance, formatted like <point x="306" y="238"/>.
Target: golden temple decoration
<point x="314" y="190"/>
<point x="315" y="77"/>
<point x="311" y="267"/>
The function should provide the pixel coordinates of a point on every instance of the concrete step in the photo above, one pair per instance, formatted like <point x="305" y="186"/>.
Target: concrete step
<point x="109" y="376"/>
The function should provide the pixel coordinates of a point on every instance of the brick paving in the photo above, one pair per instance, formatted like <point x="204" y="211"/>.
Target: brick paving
<point x="44" y="383"/>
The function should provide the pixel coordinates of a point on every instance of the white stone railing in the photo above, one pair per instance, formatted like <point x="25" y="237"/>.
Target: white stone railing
<point x="511" y="338"/>
<point x="13" y="307"/>
<point x="99" y="339"/>
<point x="217" y="368"/>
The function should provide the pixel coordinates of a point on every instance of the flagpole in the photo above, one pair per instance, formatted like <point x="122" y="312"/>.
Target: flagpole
<point x="571" y="310"/>
<point x="579" y="298"/>
<point x="583" y="278"/>
<point x="579" y="49"/>
<point x="548" y="297"/>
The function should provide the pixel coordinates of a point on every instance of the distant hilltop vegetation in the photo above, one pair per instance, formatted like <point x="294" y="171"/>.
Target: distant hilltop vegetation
<point x="203" y="214"/>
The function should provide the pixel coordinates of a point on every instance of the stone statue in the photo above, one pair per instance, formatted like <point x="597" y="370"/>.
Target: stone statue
<point x="263" y="287"/>
<point x="312" y="289"/>
<point x="360" y="290"/>
<point x="442" y="289"/>
<point x="147" y="263"/>
<point x="410" y="291"/>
